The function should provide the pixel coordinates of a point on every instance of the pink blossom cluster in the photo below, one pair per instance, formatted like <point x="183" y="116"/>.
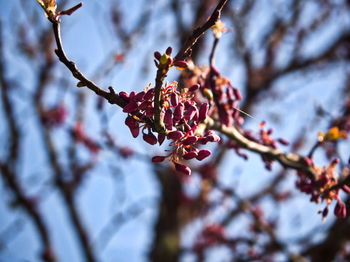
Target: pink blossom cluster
<point x="323" y="188"/>
<point x="181" y="116"/>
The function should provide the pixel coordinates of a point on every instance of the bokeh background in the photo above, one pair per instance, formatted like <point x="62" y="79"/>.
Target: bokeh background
<point x="290" y="60"/>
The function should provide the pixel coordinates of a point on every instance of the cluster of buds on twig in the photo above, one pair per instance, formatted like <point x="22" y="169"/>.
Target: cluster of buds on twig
<point x="323" y="187"/>
<point x="181" y="116"/>
<point x="166" y="60"/>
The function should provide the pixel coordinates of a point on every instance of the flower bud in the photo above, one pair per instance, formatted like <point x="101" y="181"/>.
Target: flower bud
<point x="190" y="140"/>
<point x="211" y="136"/>
<point x="194" y="88"/>
<point x="182" y="168"/>
<point x="179" y="112"/>
<point x="168" y="119"/>
<point x="149" y="111"/>
<point x="180" y="64"/>
<point x="124" y="95"/>
<point x="144" y="105"/>
<point x="131" y="107"/>
<point x="346" y="189"/>
<point x="203" y="154"/>
<point x="190" y="113"/>
<point x="158" y="159"/>
<point x="169" y="50"/>
<point x="150" y="138"/>
<point x="170" y="60"/>
<point x="340" y="209"/>
<point x="190" y="155"/>
<point x="149" y="95"/>
<point x="160" y="139"/>
<point x="175" y="135"/>
<point x="133" y="126"/>
<point x="283" y="141"/>
<point x="139" y="96"/>
<point x="203" y="112"/>
<point x="202" y="140"/>
<point x="174" y="99"/>
<point x="157" y="55"/>
<point x="237" y="94"/>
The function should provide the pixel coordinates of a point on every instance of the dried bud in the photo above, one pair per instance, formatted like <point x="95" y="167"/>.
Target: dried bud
<point x="203" y="154"/>
<point x="203" y="112"/>
<point x="168" y="119"/>
<point x="175" y="135"/>
<point x="182" y="168"/>
<point x="158" y="159"/>
<point x="150" y="138"/>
